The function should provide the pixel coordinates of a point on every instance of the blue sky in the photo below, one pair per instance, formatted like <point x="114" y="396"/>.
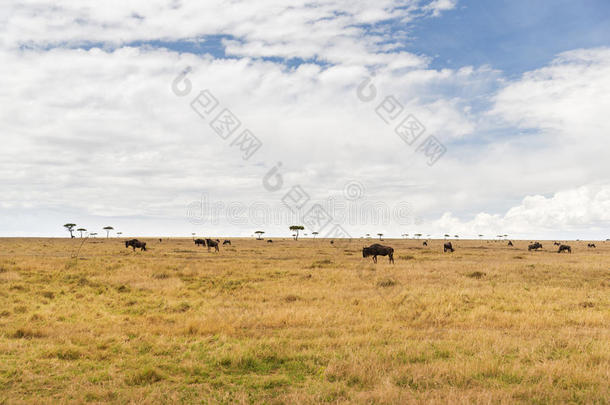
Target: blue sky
<point x="95" y="136"/>
<point x="511" y="35"/>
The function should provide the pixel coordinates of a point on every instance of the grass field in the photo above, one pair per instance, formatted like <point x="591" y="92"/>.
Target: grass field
<point x="302" y="322"/>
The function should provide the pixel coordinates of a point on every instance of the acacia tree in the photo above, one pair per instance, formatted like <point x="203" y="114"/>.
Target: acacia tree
<point x="314" y="234"/>
<point x="193" y="234"/>
<point x="380" y="235"/>
<point x="405" y="235"/>
<point x="119" y="233"/>
<point x="296" y="229"/>
<point x="108" y="229"/>
<point x="418" y="235"/>
<point x="446" y="236"/>
<point x="259" y="234"/>
<point x="70" y="228"/>
<point x="81" y="230"/>
<point x="94" y="234"/>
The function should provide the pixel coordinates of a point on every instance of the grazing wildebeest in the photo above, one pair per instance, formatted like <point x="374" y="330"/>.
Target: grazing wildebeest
<point x="200" y="242"/>
<point x="447" y="247"/>
<point x="510" y="243"/>
<point x="378" y="250"/>
<point x="556" y="243"/>
<point x="269" y="241"/>
<point x="160" y="240"/>
<point x="591" y="245"/>
<point x="425" y="243"/>
<point x="535" y="246"/>
<point x="565" y="248"/>
<point x="212" y="244"/>
<point x="226" y="242"/>
<point x="332" y="242"/>
<point x="134" y="243"/>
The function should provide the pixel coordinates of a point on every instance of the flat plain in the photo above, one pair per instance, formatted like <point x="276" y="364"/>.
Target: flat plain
<point x="302" y="322"/>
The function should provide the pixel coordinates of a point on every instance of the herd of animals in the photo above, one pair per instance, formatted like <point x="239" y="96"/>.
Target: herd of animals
<point x="374" y="250"/>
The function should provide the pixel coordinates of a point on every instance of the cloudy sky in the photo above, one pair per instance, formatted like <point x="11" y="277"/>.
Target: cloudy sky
<point x="225" y="117"/>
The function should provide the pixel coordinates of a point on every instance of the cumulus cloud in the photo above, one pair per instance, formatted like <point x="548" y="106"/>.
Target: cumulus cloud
<point x="92" y="131"/>
<point x="583" y="212"/>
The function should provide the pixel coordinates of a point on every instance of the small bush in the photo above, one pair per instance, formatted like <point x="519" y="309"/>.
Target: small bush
<point x="386" y="283"/>
<point x="145" y="376"/>
<point x="48" y="294"/>
<point x="26" y="333"/>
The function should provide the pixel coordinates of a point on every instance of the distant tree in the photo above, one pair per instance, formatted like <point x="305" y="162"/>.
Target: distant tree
<point x="446" y="236"/>
<point x="108" y="229"/>
<point x="314" y="234"/>
<point x="380" y="235"/>
<point x="193" y="235"/>
<point x="480" y="236"/>
<point x="456" y="236"/>
<point x="405" y="235"/>
<point x="368" y="235"/>
<point x="70" y="228"/>
<point x="296" y="229"/>
<point x="81" y="230"/>
<point x="94" y="234"/>
<point x="417" y="235"/>
<point x="119" y="234"/>
<point x="259" y="234"/>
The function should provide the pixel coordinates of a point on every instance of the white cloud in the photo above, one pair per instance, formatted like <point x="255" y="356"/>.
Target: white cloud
<point x="98" y="133"/>
<point x="583" y="212"/>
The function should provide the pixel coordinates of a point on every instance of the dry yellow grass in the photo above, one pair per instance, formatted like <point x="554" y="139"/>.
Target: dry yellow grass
<point x="302" y="322"/>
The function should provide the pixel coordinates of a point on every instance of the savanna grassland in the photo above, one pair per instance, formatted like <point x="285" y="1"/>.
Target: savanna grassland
<point x="302" y="322"/>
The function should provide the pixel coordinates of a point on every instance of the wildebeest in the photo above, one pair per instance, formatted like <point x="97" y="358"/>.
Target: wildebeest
<point x="591" y="245"/>
<point x="535" y="246"/>
<point x="565" y="248"/>
<point x="200" y="242"/>
<point x="447" y="247"/>
<point x="425" y="243"/>
<point x="269" y="241"/>
<point x="556" y="243"/>
<point x="378" y="250"/>
<point x="226" y="242"/>
<point x="134" y="243"/>
<point x="510" y="243"/>
<point x="332" y="242"/>
<point x="160" y="240"/>
<point x="212" y="244"/>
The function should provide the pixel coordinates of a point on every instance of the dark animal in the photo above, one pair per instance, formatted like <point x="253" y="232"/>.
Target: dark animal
<point x="269" y="241"/>
<point x="510" y="243"/>
<point x="134" y="243"/>
<point x="378" y="250"/>
<point x="200" y="242"/>
<point x="226" y="242"/>
<point x="535" y="246"/>
<point x="160" y="240"/>
<point x="565" y="248"/>
<point x="332" y="242"/>
<point x="425" y="243"/>
<point x="212" y="244"/>
<point x="591" y="245"/>
<point x="447" y="247"/>
<point x="556" y="243"/>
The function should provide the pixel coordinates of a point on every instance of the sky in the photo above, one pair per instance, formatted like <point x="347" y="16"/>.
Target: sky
<point x="220" y="118"/>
